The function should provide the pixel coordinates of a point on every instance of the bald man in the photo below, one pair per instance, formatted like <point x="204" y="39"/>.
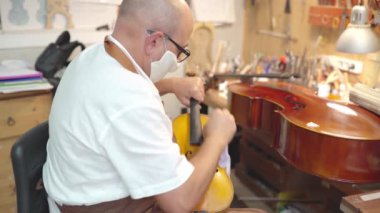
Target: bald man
<point x="110" y="147"/>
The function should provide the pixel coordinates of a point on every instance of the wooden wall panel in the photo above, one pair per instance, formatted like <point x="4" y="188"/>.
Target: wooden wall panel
<point x="257" y="17"/>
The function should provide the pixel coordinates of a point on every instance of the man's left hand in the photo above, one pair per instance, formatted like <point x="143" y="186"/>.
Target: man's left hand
<point x="189" y="87"/>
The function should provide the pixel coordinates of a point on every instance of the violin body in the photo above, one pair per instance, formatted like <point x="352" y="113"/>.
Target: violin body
<point x="220" y="192"/>
<point x="332" y="140"/>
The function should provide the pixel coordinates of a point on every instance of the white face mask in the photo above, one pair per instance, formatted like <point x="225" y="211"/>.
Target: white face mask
<point x="167" y="63"/>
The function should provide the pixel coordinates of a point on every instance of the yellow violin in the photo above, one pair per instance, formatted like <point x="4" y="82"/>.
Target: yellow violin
<point x="188" y="132"/>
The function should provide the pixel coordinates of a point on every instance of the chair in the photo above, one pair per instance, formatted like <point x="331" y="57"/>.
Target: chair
<point x="28" y="156"/>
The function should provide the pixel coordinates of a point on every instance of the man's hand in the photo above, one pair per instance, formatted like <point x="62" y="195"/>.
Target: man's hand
<point x="184" y="88"/>
<point x="188" y="87"/>
<point x="220" y="126"/>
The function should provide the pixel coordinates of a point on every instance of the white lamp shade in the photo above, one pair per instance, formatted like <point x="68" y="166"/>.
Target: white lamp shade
<point x="359" y="39"/>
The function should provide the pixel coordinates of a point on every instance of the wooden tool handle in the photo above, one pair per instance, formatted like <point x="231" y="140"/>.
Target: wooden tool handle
<point x="195" y="123"/>
<point x="287" y="7"/>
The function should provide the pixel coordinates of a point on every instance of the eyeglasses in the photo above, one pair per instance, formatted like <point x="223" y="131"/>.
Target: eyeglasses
<point x="183" y="53"/>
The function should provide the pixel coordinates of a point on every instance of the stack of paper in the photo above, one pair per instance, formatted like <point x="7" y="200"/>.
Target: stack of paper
<point x="21" y="79"/>
<point x="366" y="97"/>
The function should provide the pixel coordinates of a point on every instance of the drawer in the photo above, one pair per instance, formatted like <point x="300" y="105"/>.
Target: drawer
<point x="7" y="187"/>
<point x="7" y="184"/>
<point x="8" y="204"/>
<point x="21" y="114"/>
<point x="262" y="164"/>
<point x="5" y="151"/>
<point x="8" y="199"/>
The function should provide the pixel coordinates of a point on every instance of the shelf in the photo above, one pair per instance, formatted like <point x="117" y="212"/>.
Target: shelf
<point x="41" y="38"/>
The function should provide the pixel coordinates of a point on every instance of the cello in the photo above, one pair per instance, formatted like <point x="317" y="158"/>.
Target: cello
<point x="187" y="130"/>
<point x="329" y="139"/>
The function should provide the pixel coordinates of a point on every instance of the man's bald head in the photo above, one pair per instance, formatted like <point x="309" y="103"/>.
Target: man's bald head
<point x="162" y="15"/>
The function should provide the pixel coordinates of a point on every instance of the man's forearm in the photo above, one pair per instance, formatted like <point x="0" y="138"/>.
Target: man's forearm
<point x="165" y="86"/>
<point x="205" y="162"/>
<point x="189" y="194"/>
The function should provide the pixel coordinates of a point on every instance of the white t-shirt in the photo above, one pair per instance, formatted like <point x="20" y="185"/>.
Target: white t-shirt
<point x="109" y="136"/>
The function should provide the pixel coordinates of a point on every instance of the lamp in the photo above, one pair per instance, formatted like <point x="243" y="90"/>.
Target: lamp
<point x="358" y="37"/>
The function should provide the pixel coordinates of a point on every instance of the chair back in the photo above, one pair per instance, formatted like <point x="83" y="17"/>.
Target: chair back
<point x="28" y="157"/>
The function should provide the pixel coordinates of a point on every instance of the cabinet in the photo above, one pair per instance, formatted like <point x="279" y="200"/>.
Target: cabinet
<point x="265" y="165"/>
<point x="267" y="174"/>
<point x="19" y="112"/>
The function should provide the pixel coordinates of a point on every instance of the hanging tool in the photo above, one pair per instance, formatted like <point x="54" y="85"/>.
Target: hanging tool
<point x="271" y="32"/>
<point x="303" y="6"/>
<point x="343" y="17"/>
<point x="287" y="7"/>
<point x="288" y="18"/>
<point x="272" y="19"/>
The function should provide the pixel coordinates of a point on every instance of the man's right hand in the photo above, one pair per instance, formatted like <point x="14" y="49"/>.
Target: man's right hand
<point x="220" y="125"/>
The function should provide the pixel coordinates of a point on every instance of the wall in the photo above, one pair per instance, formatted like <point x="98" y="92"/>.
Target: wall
<point x="257" y="18"/>
<point x="28" y="45"/>
<point x="232" y="33"/>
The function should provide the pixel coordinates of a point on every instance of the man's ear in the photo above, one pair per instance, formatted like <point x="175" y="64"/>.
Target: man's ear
<point x="152" y="41"/>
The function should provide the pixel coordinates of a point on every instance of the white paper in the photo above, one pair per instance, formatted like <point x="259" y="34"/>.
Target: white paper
<point x="225" y="161"/>
<point x="216" y="11"/>
<point x="371" y="196"/>
<point x="26" y="87"/>
<point x="6" y="72"/>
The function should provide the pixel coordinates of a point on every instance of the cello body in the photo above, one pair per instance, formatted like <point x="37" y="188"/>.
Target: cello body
<point x="329" y="139"/>
<point x="220" y="192"/>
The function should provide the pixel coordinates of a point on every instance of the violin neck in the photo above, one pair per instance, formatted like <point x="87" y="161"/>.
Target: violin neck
<point x="195" y="123"/>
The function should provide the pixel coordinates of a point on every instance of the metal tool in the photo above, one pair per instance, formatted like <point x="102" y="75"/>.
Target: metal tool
<point x="271" y="32"/>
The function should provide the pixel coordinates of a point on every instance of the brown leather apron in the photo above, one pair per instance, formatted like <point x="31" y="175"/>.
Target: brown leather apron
<point x="116" y="53"/>
<point x="145" y="205"/>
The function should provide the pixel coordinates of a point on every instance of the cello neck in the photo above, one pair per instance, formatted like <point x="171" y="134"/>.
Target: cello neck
<point x="195" y="123"/>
